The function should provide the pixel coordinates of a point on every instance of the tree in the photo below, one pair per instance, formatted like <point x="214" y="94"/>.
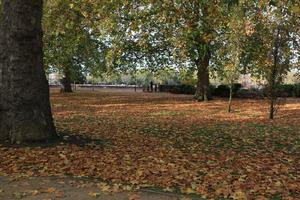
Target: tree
<point x="271" y="50"/>
<point x="24" y="102"/>
<point x="73" y="46"/>
<point x="228" y="57"/>
<point x="176" y="33"/>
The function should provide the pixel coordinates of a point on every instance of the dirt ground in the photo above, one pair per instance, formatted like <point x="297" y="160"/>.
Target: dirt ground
<point x="45" y="188"/>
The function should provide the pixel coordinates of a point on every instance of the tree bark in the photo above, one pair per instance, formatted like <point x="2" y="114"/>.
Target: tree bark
<point x="24" y="102"/>
<point x="202" y="90"/>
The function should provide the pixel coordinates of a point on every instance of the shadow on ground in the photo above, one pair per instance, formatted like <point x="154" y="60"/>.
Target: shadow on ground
<point x="62" y="139"/>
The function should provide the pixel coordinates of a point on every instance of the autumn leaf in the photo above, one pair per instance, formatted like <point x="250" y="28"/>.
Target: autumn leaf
<point x="188" y="190"/>
<point x="19" y="195"/>
<point x="51" y="190"/>
<point x="34" y="192"/>
<point x="133" y="196"/>
<point x="104" y="187"/>
<point x="239" y="195"/>
<point x="172" y="143"/>
<point x="94" y="194"/>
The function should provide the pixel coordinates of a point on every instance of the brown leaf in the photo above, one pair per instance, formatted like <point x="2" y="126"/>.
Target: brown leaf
<point x="133" y="196"/>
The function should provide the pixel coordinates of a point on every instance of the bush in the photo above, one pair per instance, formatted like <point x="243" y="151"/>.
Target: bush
<point x="289" y="90"/>
<point x="224" y="91"/>
<point x="221" y="91"/>
<point x="286" y="90"/>
<point x="183" y="89"/>
<point x="165" y="88"/>
<point x="250" y="93"/>
<point x="297" y="90"/>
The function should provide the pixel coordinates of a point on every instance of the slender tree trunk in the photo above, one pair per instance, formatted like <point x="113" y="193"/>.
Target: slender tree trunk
<point x="135" y="84"/>
<point x="202" y="90"/>
<point x="93" y="85"/>
<point x="271" y="109"/>
<point x="272" y="78"/>
<point x="24" y="101"/>
<point x="272" y="95"/>
<point x="230" y="97"/>
<point x="151" y="86"/>
<point x="67" y="83"/>
<point x="75" y="86"/>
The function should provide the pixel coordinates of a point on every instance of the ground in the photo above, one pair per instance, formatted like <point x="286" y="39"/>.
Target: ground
<point x="166" y="143"/>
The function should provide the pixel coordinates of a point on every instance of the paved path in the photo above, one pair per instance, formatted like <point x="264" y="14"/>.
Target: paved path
<point x="69" y="189"/>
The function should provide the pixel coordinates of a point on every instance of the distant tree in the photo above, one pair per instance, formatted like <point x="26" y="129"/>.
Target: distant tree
<point x="25" y="113"/>
<point x="173" y="33"/>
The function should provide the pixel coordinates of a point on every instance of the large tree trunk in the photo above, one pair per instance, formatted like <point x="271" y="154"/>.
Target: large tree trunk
<point x="67" y="83"/>
<point x="24" y="102"/>
<point x="202" y="90"/>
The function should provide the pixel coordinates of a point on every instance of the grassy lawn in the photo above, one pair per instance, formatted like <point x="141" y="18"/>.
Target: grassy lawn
<point x="170" y="142"/>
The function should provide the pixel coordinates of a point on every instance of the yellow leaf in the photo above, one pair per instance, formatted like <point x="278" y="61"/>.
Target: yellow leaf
<point x="239" y="195"/>
<point x="94" y="194"/>
<point x="34" y="192"/>
<point x="295" y="9"/>
<point x="168" y="189"/>
<point x="134" y="197"/>
<point x="51" y="190"/>
<point x="139" y="172"/>
<point x="187" y="190"/>
<point x="103" y="187"/>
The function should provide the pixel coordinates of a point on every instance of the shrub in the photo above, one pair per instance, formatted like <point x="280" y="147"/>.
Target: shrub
<point x="165" y="88"/>
<point x="250" y="93"/>
<point x="297" y="90"/>
<point x="286" y="90"/>
<point x="223" y="90"/>
<point x="183" y="89"/>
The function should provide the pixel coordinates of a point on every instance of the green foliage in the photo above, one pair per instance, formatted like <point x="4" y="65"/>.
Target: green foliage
<point x="69" y="40"/>
<point x="270" y="51"/>
<point x="227" y="58"/>
<point x="165" y="41"/>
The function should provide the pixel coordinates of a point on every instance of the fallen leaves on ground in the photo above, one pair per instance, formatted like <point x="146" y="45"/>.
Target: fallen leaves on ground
<point x="131" y="141"/>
